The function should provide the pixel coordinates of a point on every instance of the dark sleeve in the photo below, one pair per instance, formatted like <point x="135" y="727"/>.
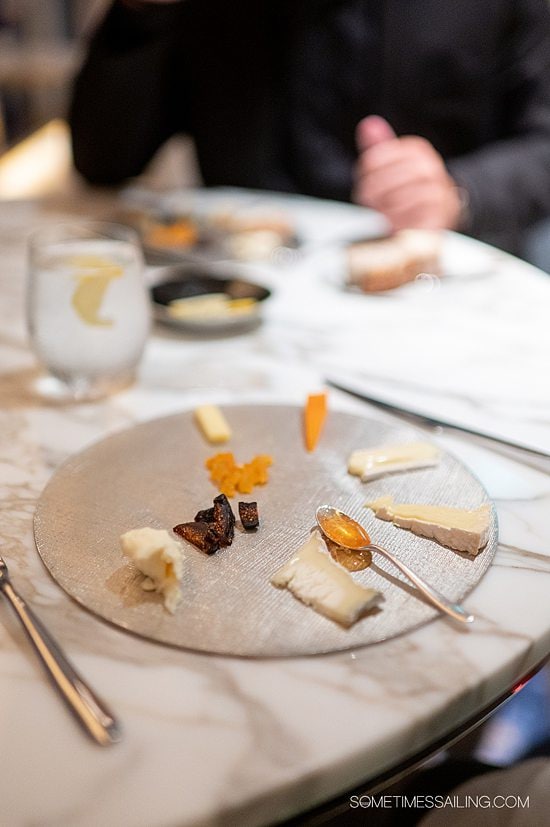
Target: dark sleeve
<point x="128" y="97"/>
<point x="508" y="181"/>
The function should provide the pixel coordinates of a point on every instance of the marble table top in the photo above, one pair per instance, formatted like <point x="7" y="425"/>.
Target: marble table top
<point x="213" y="740"/>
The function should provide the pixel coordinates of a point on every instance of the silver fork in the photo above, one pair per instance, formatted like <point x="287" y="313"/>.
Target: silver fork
<point x="91" y="712"/>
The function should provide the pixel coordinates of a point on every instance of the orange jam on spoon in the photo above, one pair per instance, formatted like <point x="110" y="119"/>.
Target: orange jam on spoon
<point x="346" y="539"/>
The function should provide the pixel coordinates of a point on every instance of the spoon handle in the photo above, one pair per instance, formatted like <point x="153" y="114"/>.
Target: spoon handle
<point x="454" y="610"/>
<point x="88" y="709"/>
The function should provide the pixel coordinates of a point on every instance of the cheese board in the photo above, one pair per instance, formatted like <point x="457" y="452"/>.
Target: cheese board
<point x="153" y="475"/>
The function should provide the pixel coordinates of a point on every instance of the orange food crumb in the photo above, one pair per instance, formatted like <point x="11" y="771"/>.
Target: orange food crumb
<point x="230" y="477"/>
<point x="181" y="233"/>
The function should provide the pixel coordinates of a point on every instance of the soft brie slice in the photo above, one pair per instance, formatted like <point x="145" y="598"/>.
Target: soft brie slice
<point x="318" y="581"/>
<point x="458" y="528"/>
<point x="160" y="558"/>
<point x="370" y="463"/>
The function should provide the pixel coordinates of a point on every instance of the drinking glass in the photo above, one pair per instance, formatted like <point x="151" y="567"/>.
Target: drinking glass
<point x="88" y="310"/>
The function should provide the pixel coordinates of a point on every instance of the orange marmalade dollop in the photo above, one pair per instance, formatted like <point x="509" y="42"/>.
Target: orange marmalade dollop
<point x="230" y="477"/>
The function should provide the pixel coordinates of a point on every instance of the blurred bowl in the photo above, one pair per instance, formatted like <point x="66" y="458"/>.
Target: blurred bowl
<point x="231" y="304"/>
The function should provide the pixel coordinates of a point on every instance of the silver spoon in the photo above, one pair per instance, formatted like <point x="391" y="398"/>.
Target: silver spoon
<point x="87" y="708"/>
<point x="346" y="532"/>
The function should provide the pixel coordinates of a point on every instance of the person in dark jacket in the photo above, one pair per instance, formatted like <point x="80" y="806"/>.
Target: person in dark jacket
<point x="437" y="114"/>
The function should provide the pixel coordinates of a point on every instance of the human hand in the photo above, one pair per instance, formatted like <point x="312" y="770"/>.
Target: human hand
<point x="404" y="178"/>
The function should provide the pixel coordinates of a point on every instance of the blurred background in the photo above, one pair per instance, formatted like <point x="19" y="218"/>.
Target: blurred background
<point x="39" y="53"/>
<point x="41" y="46"/>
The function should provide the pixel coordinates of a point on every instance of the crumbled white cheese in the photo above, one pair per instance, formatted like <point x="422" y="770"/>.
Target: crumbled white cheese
<point x="160" y="558"/>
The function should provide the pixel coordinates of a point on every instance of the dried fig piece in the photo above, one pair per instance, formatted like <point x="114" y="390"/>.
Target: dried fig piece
<point x="248" y="512"/>
<point x="223" y="524"/>
<point x="204" y="516"/>
<point x="213" y="527"/>
<point x="200" y="535"/>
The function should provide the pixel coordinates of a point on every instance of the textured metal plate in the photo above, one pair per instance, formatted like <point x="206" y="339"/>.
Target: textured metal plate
<point x="153" y="474"/>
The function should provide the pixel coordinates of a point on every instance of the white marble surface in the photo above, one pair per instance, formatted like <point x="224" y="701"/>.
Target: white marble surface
<point x="212" y="740"/>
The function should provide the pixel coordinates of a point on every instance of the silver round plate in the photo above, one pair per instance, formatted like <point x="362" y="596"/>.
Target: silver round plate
<point x="153" y="475"/>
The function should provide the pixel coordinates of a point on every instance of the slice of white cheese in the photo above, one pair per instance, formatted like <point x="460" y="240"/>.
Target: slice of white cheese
<point x="370" y="463"/>
<point x="457" y="528"/>
<point x="160" y="558"/>
<point x="318" y="581"/>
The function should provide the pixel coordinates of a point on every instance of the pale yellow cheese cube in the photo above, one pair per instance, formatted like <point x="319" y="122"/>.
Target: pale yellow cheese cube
<point x="213" y="424"/>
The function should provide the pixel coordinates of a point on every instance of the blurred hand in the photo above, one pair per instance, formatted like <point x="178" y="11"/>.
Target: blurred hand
<point x="404" y="178"/>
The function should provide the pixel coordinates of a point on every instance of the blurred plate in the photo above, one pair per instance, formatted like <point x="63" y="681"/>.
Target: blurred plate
<point x="461" y="259"/>
<point x="194" y="226"/>
<point x="191" y="281"/>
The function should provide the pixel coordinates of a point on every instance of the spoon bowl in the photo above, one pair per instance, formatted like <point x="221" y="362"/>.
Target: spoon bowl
<point x="343" y="530"/>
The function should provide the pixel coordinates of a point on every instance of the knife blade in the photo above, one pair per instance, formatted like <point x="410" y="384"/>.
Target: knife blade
<point x="427" y="419"/>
